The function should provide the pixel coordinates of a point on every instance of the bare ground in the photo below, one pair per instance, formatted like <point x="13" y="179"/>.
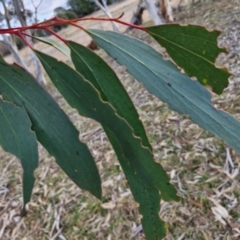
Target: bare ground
<point x="203" y="169"/>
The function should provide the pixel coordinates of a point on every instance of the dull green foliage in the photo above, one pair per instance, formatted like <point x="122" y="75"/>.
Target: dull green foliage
<point x="52" y="127"/>
<point x="17" y="138"/>
<point x="96" y="92"/>
<point x="146" y="178"/>
<point x="194" y="49"/>
<point x="105" y="80"/>
<point x="165" y="81"/>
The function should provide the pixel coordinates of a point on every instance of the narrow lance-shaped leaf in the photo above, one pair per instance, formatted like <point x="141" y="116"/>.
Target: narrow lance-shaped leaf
<point x="144" y="175"/>
<point x="96" y="70"/>
<point x="53" y="128"/>
<point x="104" y="79"/>
<point x="165" y="81"/>
<point x="17" y="138"/>
<point x="60" y="46"/>
<point x="194" y="49"/>
<point x="147" y="197"/>
<point x="82" y="95"/>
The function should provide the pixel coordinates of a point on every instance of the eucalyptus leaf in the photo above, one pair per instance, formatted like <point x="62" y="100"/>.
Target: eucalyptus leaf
<point x="163" y="79"/>
<point x="96" y="70"/>
<point x="146" y="178"/>
<point x="60" y="46"/>
<point x="16" y="137"/>
<point x="147" y="197"/>
<point x="194" y="49"/>
<point x="53" y="128"/>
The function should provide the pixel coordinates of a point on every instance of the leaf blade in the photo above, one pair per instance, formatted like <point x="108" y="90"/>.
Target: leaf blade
<point x="136" y="160"/>
<point x="77" y="91"/>
<point x="17" y="138"/>
<point x="147" y="197"/>
<point x="194" y="49"/>
<point x="165" y="81"/>
<point x="56" y="44"/>
<point x="53" y="128"/>
<point x="104" y="79"/>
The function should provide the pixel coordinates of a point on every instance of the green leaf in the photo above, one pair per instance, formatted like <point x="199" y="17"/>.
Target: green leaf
<point x="95" y="69"/>
<point x="82" y="95"/>
<point x="104" y="79"/>
<point x="53" y="128"/>
<point x="60" y="46"/>
<point x="194" y="49"/>
<point x="165" y="81"/>
<point x="136" y="160"/>
<point x="17" y="138"/>
<point x="147" y="197"/>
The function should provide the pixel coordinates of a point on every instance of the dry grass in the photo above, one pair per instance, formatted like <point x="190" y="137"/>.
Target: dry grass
<point x="203" y="169"/>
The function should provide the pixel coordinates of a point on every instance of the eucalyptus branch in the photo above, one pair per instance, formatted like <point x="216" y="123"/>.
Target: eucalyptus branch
<point x="55" y="21"/>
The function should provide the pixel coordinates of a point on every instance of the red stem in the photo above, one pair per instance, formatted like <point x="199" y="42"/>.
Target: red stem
<point x="55" y="34"/>
<point x="21" y="35"/>
<point x="45" y="25"/>
<point x="77" y="26"/>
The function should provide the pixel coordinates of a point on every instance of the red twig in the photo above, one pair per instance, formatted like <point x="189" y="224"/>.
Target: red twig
<point x="21" y="35"/>
<point x="78" y="26"/>
<point x="55" y="34"/>
<point x="47" y="24"/>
